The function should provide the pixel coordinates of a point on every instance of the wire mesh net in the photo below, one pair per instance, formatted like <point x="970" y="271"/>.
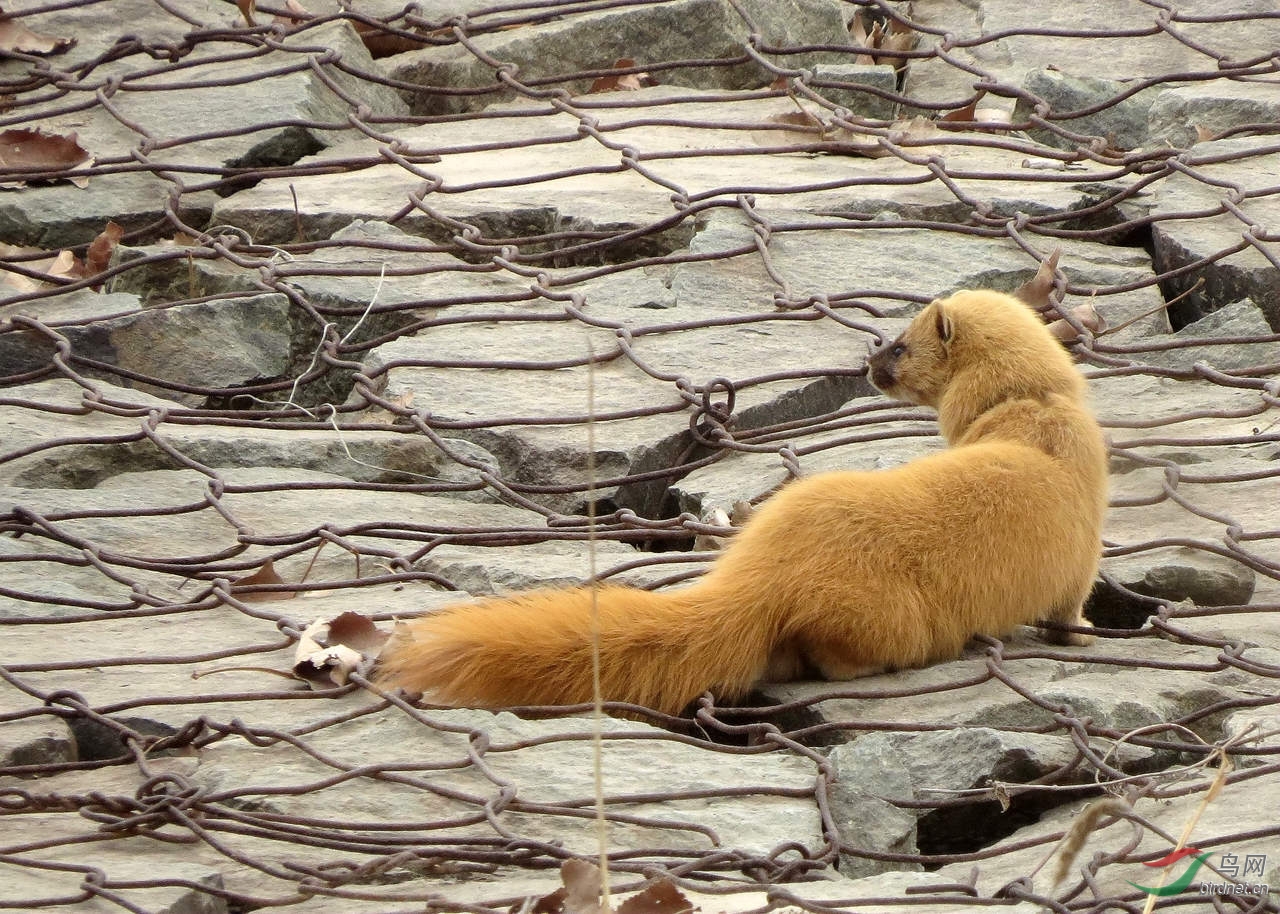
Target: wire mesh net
<point x="403" y="303"/>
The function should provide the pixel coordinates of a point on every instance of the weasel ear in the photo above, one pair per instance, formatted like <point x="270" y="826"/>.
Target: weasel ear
<point x="942" y="322"/>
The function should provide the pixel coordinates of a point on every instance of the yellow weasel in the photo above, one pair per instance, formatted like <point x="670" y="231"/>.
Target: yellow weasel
<point x="841" y="574"/>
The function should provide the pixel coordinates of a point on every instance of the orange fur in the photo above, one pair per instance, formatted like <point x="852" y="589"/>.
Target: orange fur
<point x="840" y="574"/>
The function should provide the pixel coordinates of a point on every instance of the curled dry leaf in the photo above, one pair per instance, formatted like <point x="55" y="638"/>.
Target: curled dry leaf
<point x="624" y="82"/>
<point x="580" y="894"/>
<point x="1087" y="316"/>
<point x="14" y="36"/>
<point x="264" y="575"/>
<point x="358" y="632"/>
<point x="897" y="38"/>
<point x="63" y="264"/>
<point x="660" y="898"/>
<point x="247" y="8"/>
<point x="1036" y="290"/>
<point x="709" y="542"/>
<point x="858" y="34"/>
<point x="802" y="127"/>
<point x="293" y="12"/>
<point x="330" y="650"/>
<point x="35" y="149"/>
<point x="100" y="250"/>
<point x="382" y="43"/>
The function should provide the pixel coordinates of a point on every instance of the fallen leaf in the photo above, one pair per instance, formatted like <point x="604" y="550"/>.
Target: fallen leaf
<point x="1036" y="290"/>
<point x="899" y="38"/>
<point x="580" y="894"/>
<point x="380" y="42"/>
<point x="626" y="82"/>
<point x="709" y="542"/>
<point x="967" y="112"/>
<point x="329" y="667"/>
<point x="1086" y="315"/>
<point x="14" y="36"/>
<point x="99" y="253"/>
<point x="61" y="264"/>
<point x="1203" y="134"/>
<point x="357" y="632"/>
<point x="660" y="898"/>
<point x="807" y="128"/>
<point x="330" y="650"/>
<point x="247" y="8"/>
<point x="858" y="33"/>
<point x="294" y="12"/>
<point x="37" y="150"/>
<point x="264" y="575"/>
<point x="581" y="880"/>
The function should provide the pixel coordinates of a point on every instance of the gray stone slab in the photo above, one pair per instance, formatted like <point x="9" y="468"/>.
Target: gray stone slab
<point x="1198" y="187"/>
<point x="681" y="30"/>
<point x="1107" y="50"/>
<point x="364" y="455"/>
<point x="555" y="767"/>
<point x="1178" y="115"/>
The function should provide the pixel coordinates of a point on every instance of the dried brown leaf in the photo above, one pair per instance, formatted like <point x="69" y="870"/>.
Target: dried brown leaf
<point x="660" y="898"/>
<point x="61" y="264"/>
<point x="357" y="632"/>
<point x="264" y="575"/>
<point x="967" y="113"/>
<point x="99" y="253"/>
<point x="898" y="38"/>
<point x="247" y="8"/>
<point x="551" y="903"/>
<point x="330" y="667"/>
<point x="858" y="35"/>
<point x="1036" y="290"/>
<point x="875" y="39"/>
<point x="1203" y="134"/>
<point x="1086" y="315"/>
<point x="294" y="12"/>
<point x="14" y="36"/>
<point x="330" y="650"/>
<point x="581" y="880"/>
<point x="382" y="43"/>
<point x="625" y="82"/>
<point x="35" y="149"/>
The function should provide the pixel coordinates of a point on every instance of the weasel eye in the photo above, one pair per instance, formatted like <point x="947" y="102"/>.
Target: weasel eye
<point x="897" y="350"/>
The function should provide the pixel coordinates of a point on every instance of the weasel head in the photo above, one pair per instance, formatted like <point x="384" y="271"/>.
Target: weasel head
<point x="916" y="366"/>
<point x="967" y="353"/>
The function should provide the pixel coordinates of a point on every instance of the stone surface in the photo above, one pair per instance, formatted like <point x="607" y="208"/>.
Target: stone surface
<point x="679" y="31"/>
<point x="1124" y="123"/>
<point x="300" y="112"/>
<point x="1178" y="116"/>
<point x="1248" y="273"/>
<point x="154" y="750"/>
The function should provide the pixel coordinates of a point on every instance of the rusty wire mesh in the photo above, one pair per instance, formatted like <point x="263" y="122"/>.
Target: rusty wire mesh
<point x="139" y="618"/>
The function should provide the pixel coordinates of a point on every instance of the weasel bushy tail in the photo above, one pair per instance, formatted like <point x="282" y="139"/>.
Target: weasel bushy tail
<point x="660" y="650"/>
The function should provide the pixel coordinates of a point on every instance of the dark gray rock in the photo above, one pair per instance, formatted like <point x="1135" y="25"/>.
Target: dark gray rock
<point x="860" y="104"/>
<point x="681" y="30"/>
<point x="1124" y="123"/>
<point x="1213" y="107"/>
<point x="211" y="345"/>
<point x="871" y="773"/>
<point x="1178" y="242"/>
<point x="1239" y="322"/>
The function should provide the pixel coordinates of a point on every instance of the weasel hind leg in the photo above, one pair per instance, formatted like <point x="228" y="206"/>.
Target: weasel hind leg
<point x="1070" y="614"/>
